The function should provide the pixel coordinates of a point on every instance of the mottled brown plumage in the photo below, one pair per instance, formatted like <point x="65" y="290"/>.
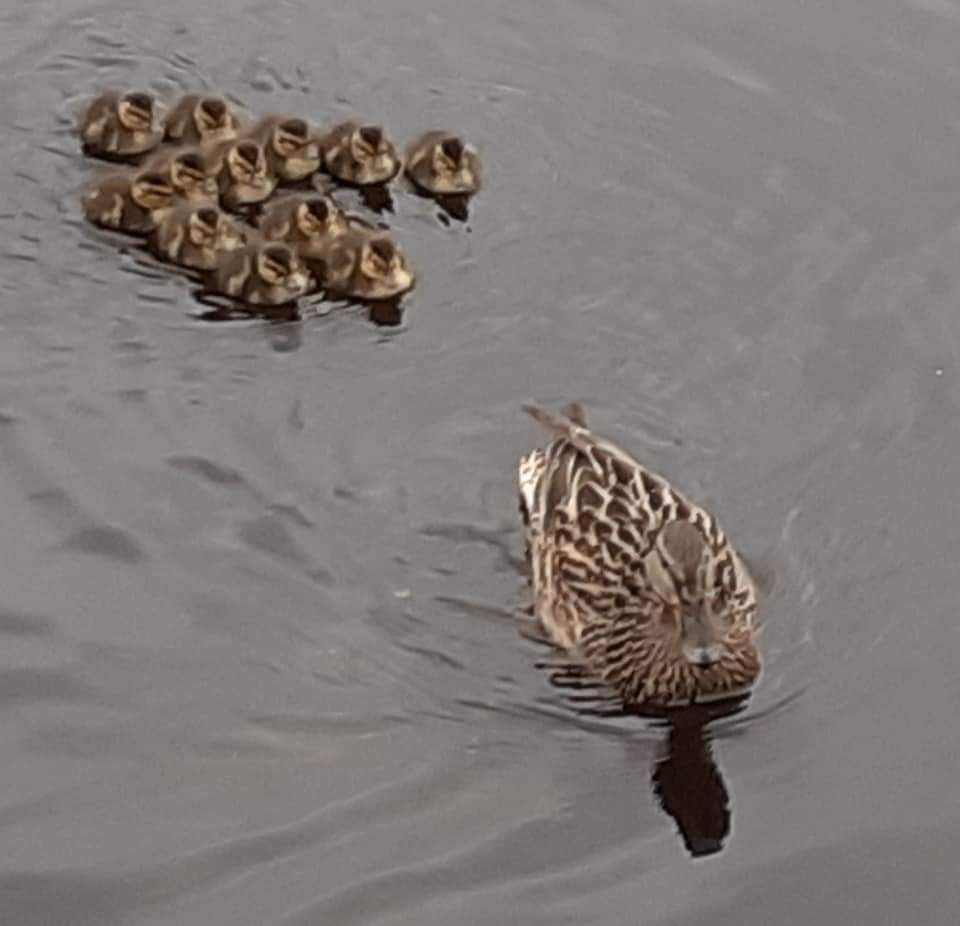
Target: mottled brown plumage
<point x="189" y="171"/>
<point x="243" y="174"/>
<point x="443" y="164"/>
<point x="200" y="119"/>
<point x="292" y="150"/>
<point x="631" y="576"/>
<point x="196" y="236"/>
<point x="362" y="264"/>
<point x="129" y="201"/>
<point x="121" y="125"/>
<point x="263" y="273"/>
<point x="362" y="155"/>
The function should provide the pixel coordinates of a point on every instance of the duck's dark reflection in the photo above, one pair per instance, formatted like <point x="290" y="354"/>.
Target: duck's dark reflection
<point x="685" y="778"/>
<point x="688" y="784"/>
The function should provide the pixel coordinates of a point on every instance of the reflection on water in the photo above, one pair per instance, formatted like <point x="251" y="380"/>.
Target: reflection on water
<point x="685" y="778"/>
<point x="689" y="785"/>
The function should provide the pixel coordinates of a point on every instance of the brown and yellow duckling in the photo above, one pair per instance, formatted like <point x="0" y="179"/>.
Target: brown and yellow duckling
<point x="200" y="119"/>
<point x="262" y="273"/>
<point x="121" y="125"/>
<point x="308" y="221"/>
<point x="131" y="201"/>
<point x="196" y="236"/>
<point x="190" y="172"/>
<point x="363" y="264"/>
<point x="443" y="164"/>
<point x="292" y="151"/>
<point x="634" y="578"/>
<point x="243" y="173"/>
<point x="362" y="155"/>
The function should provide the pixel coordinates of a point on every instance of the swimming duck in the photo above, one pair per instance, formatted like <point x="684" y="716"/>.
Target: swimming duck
<point x="443" y="164"/>
<point x="363" y="264"/>
<point x="196" y="119"/>
<point x="309" y="220"/>
<point x="196" y="236"/>
<point x="243" y="174"/>
<point x="131" y="201"/>
<point x="292" y="151"/>
<point x="121" y="125"/>
<point x="632" y="576"/>
<point x="362" y="155"/>
<point x="189" y="171"/>
<point x="262" y="273"/>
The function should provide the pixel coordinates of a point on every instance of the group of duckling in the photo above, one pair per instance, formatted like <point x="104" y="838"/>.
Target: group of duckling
<point x="199" y="183"/>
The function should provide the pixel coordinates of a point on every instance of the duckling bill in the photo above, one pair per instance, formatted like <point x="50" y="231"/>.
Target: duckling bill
<point x="631" y="576"/>
<point x="262" y="273"/>
<point x="121" y="125"/>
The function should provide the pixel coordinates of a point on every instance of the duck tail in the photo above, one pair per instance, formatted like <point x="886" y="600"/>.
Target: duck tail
<point x="570" y="424"/>
<point x="570" y="418"/>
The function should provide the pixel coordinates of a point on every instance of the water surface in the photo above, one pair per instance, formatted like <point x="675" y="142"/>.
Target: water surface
<point x="260" y="660"/>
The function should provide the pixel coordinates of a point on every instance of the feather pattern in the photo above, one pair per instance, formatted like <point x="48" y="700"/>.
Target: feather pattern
<point x="609" y="583"/>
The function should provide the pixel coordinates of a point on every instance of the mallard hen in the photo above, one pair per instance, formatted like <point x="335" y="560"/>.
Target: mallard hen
<point x="630" y="575"/>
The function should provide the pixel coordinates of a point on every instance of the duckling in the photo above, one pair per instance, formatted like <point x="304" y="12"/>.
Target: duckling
<point x="132" y="202"/>
<point x="363" y="264"/>
<point x="206" y="119"/>
<point x="262" y="273"/>
<point x="630" y="575"/>
<point x="309" y="222"/>
<point x="443" y="164"/>
<point x="243" y="174"/>
<point x="196" y="236"/>
<point x="362" y="155"/>
<point x="121" y="126"/>
<point x="189" y="171"/>
<point x="292" y="152"/>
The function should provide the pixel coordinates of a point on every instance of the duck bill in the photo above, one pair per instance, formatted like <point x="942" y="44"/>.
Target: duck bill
<point x="701" y="644"/>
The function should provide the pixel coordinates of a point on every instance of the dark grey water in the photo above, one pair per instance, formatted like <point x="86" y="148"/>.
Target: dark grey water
<point x="260" y="661"/>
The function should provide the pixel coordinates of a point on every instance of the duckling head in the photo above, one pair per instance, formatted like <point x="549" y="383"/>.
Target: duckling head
<point x="137" y="112"/>
<point x="247" y="166"/>
<point x="152" y="191"/>
<point x="213" y="118"/>
<point x="318" y="217"/>
<point x="685" y="580"/>
<point x="203" y="226"/>
<point x="189" y="174"/>
<point x="384" y="268"/>
<point x="278" y="265"/>
<point x="452" y="169"/>
<point x="300" y="153"/>
<point x="373" y="154"/>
